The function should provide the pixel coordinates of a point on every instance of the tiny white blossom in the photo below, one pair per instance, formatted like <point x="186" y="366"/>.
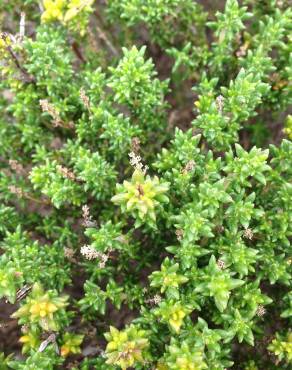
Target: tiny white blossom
<point x="220" y="103"/>
<point x="136" y="162"/>
<point x="248" y="234"/>
<point x="261" y="311"/>
<point x="88" y="252"/>
<point x="221" y="264"/>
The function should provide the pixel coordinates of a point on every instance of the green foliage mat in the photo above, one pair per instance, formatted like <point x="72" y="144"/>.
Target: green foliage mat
<point x="145" y="184"/>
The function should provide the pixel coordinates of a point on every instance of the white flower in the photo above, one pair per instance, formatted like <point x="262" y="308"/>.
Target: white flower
<point x="89" y="253"/>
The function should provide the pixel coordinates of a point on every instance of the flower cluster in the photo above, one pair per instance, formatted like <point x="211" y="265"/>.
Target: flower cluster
<point x="67" y="10"/>
<point x="141" y="195"/>
<point x="126" y="348"/>
<point x="91" y="254"/>
<point x="42" y="308"/>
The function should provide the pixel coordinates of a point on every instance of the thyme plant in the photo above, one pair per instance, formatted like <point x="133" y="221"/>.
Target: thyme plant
<point x="145" y="184"/>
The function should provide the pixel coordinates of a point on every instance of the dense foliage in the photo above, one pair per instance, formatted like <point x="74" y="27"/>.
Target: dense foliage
<point x="145" y="184"/>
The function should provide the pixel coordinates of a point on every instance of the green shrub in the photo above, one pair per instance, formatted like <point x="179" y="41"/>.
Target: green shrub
<point x="145" y="184"/>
